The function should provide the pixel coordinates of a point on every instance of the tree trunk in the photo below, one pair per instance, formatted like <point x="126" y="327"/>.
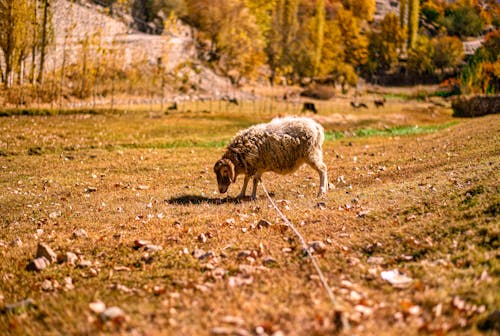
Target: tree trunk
<point x="320" y="31"/>
<point x="403" y="12"/>
<point x="44" y="40"/>
<point x="413" y="13"/>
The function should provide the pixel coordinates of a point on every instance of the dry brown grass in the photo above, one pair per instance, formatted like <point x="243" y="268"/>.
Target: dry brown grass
<point x="426" y="205"/>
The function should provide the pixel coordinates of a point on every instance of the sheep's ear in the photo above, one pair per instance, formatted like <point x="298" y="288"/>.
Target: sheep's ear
<point x="232" y="173"/>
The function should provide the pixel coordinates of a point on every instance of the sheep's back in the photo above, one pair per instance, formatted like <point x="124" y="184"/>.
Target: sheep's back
<point x="280" y="146"/>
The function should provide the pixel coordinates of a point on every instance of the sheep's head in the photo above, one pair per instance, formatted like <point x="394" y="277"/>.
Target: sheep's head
<point x="224" y="169"/>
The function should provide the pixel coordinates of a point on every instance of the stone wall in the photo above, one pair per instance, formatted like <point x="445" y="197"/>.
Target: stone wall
<point x="74" y="23"/>
<point x="476" y="106"/>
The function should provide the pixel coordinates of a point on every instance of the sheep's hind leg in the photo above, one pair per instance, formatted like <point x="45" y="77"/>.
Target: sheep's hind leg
<point x="318" y="165"/>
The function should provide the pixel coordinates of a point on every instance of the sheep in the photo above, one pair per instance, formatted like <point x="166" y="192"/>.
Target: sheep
<point x="280" y="146"/>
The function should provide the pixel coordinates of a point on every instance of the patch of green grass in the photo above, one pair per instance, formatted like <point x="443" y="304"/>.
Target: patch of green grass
<point x="392" y="131"/>
<point x="8" y="112"/>
<point x="174" y="144"/>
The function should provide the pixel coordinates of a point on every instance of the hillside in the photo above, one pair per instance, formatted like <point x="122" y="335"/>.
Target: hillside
<point x="75" y="23"/>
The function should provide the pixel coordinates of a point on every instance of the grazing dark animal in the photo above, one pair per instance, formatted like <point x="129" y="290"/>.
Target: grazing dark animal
<point x="379" y="102"/>
<point x="308" y="106"/>
<point x="358" y="105"/>
<point x="172" y="107"/>
<point x="230" y="100"/>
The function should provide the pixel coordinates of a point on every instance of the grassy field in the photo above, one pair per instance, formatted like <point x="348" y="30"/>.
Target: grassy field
<point x="133" y="195"/>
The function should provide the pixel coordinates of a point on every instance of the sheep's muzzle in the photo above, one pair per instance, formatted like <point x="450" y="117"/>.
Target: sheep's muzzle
<point x="224" y="170"/>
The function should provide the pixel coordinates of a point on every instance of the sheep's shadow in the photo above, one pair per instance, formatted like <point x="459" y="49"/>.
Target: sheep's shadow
<point x="197" y="199"/>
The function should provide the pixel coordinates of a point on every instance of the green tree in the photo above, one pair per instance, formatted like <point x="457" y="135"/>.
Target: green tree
<point x="355" y="44"/>
<point x="45" y="37"/>
<point x="386" y="44"/>
<point x="282" y="36"/>
<point x="482" y="72"/>
<point x="240" y="45"/>
<point x="362" y="9"/>
<point x="17" y="23"/>
<point x="420" y="57"/>
<point x="448" y="52"/>
<point x="463" y="20"/>
<point x="403" y="12"/>
<point x="413" y="15"/>
<point x="320" y="33"/>
<point x="236" y="43"/>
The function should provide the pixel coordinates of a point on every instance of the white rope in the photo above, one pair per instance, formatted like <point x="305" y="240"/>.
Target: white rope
<point x="345" y="323"/>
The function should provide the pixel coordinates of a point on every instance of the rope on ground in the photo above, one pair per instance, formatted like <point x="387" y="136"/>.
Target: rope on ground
<point x="337" y="307"/>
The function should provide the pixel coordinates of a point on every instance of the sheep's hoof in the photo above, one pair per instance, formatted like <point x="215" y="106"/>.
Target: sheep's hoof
<point x="322" y="194"/>
<point x="246" y="198"/>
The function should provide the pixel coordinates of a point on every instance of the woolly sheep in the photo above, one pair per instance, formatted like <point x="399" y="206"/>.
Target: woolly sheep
<point x="280" y="146"/>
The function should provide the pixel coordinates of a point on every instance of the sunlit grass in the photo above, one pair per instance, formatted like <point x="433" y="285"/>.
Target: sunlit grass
<point x="422" y="200"/>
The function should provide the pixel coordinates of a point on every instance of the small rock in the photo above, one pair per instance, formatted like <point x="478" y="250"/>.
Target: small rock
<point x="89" y="190"/>
<point x="158" y="290"/>
<point x="38" y="264"/>
<point x="44" y="250"/>
<point x="68" y="283"/>
<point x="363" y="213"/>
<point x="153" y="248"/>
<point x="19" y="306"/>
<point x="317" y="247"/>
<point x="321" y="205"/>
<point x="97" y="307"/>
<point x="376" y="260"/>
<point x="140" y="243"/>
<point x="396" y="278"/>
<point x="202" y="238"/>
<point x="263" y="224"/>
<point x="207" y="255"/>
<point x="236" y="281"/>
<point x="47" y="285"/>
<point x="68" y="257"/>
<point x="244" y="254"/>
<point x="84" y="264"/>
<point x="367" y="311"/>
<point x="114" y="314"/>
<point x="55" y="214"/>
<point x="221" y="331"/>
<point x="234" y="320"/>
<point x="269" y="261"/>
<point x="17" y="242"/>
<point x="233" y="331"/>
<point x="147" y="258"/>
<point x="80" y="233"/>
<point x="197" y="253"/>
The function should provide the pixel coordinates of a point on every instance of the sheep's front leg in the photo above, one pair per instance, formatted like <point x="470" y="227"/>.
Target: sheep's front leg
<point x="256" y="180"/>
<point x="244" y="188"/>
<point x="323" y="188"/>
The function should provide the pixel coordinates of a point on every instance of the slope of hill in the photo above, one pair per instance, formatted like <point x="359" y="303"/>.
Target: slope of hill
<point x="78" y="24"/>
